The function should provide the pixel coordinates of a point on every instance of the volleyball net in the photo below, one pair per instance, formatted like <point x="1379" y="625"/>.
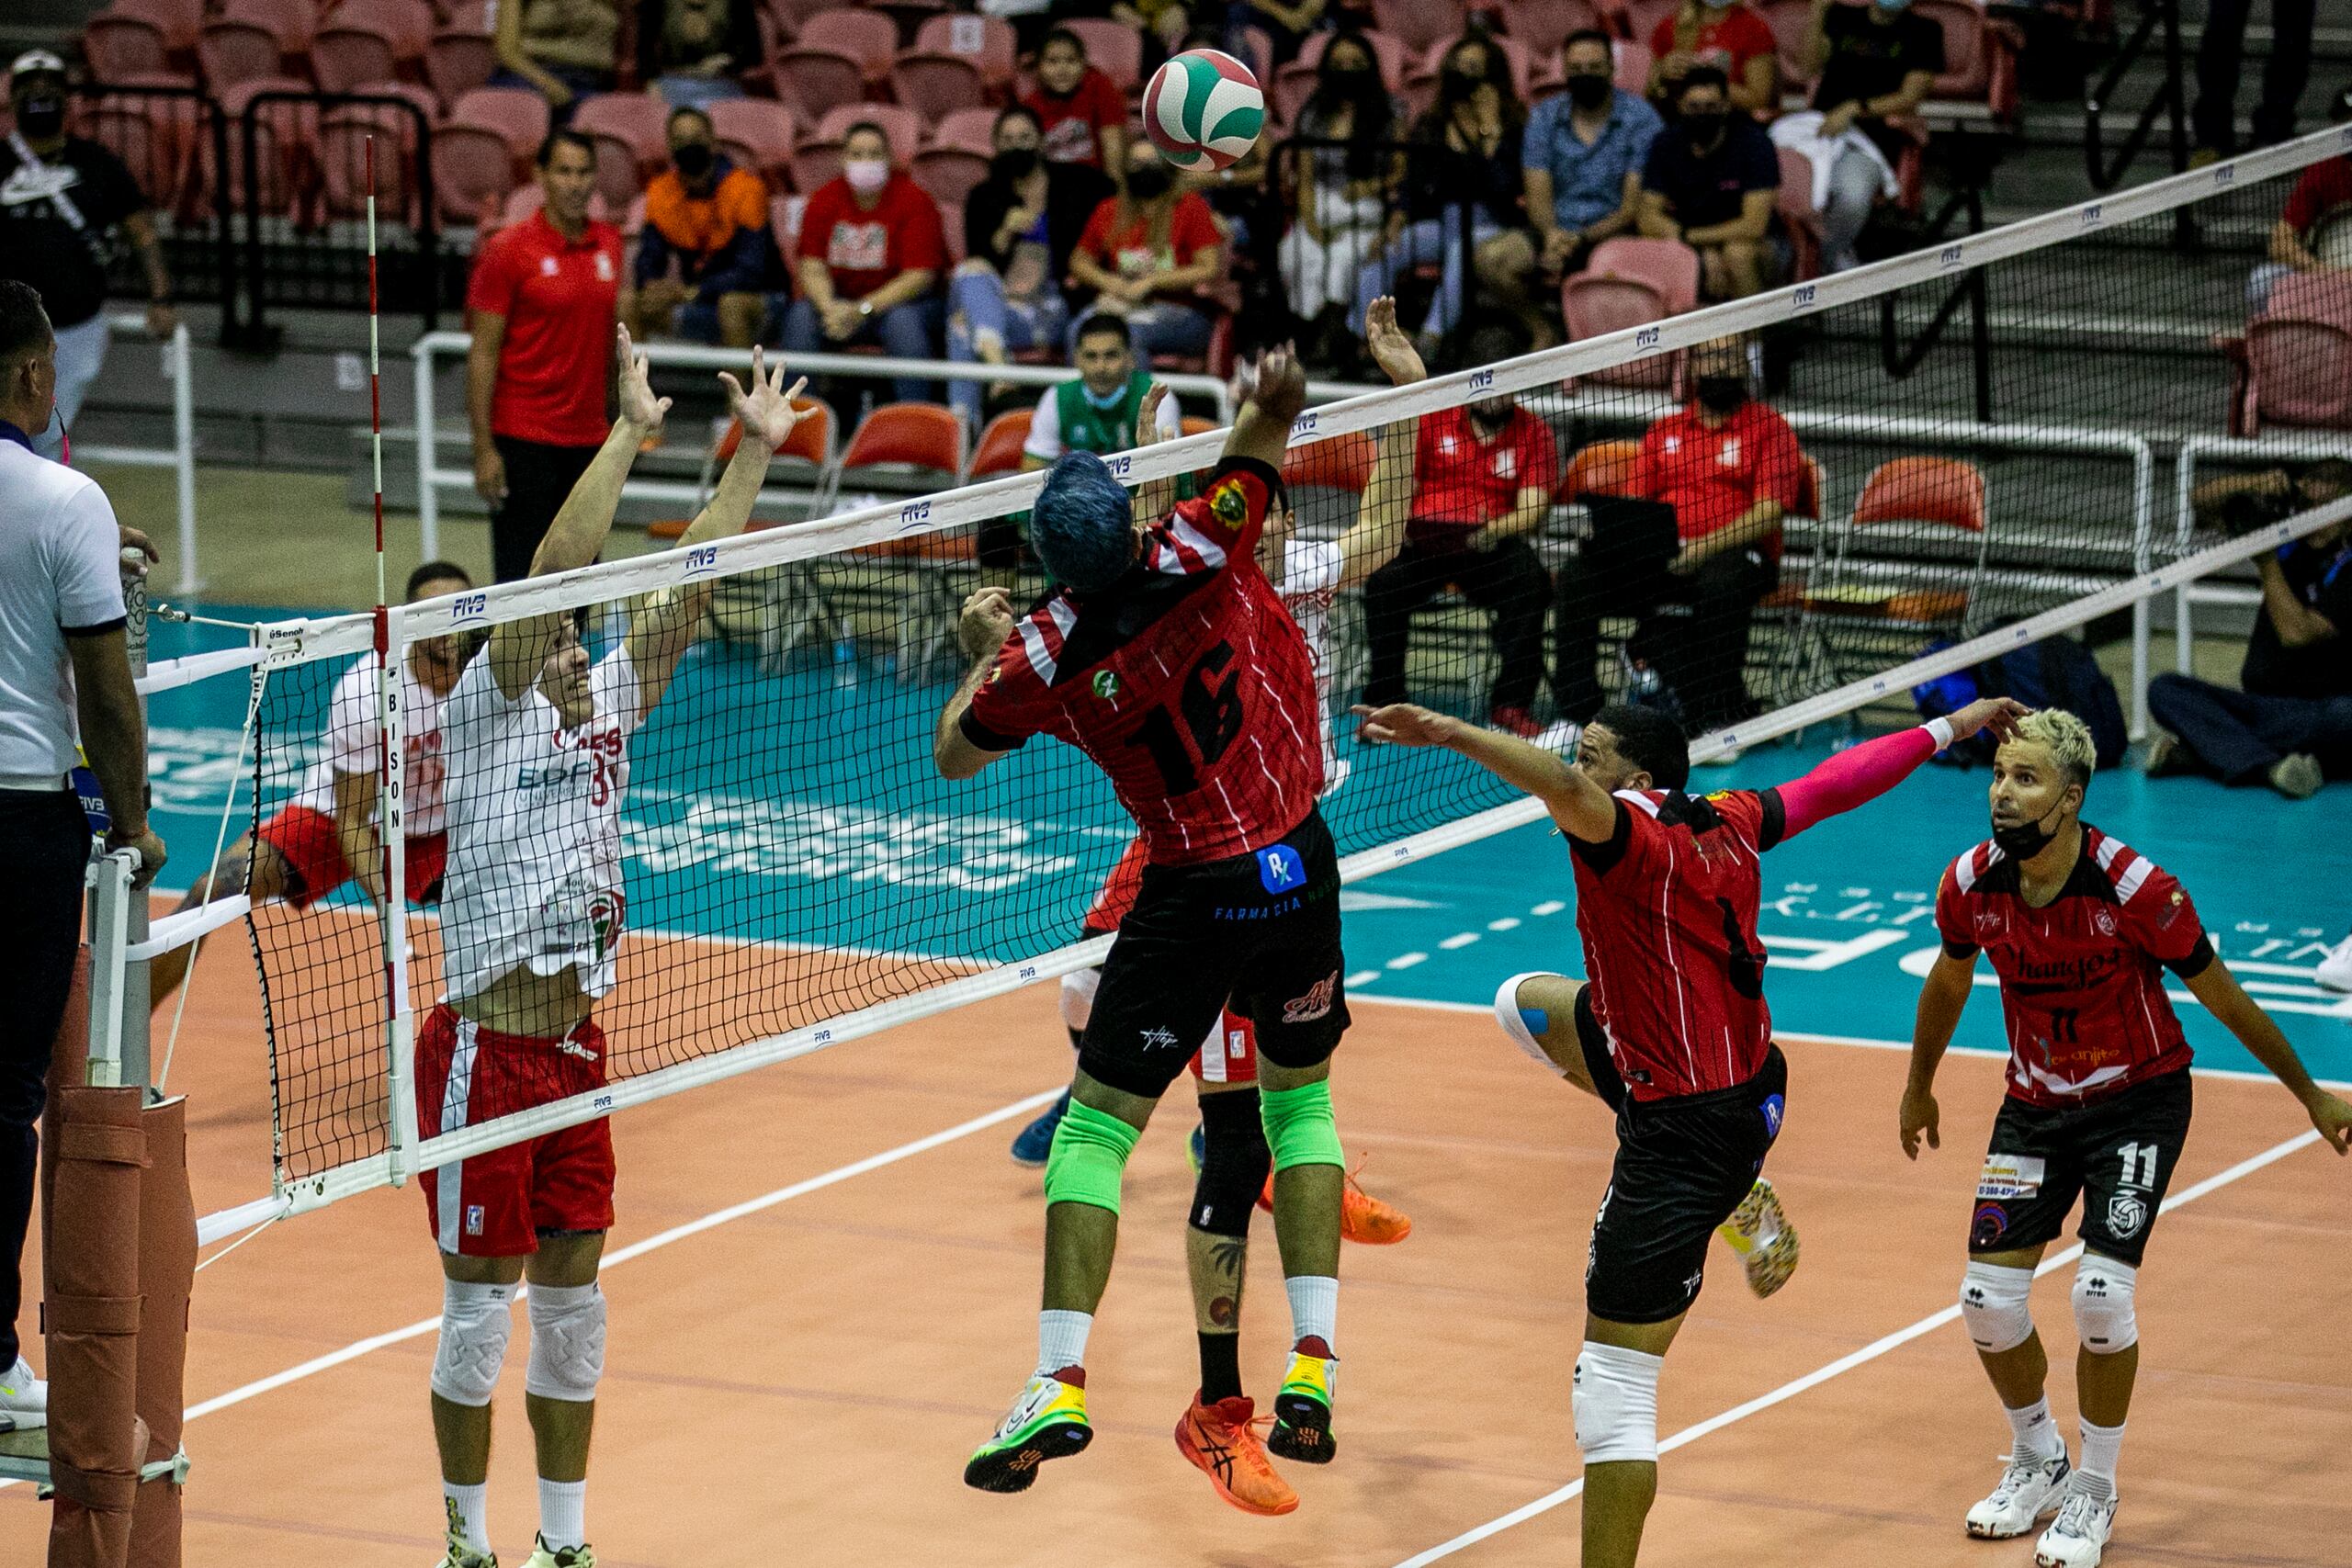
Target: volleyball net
<point x="792" y="875"/>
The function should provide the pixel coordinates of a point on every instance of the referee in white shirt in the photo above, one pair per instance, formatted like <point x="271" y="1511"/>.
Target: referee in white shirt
<point x="64" y="669"/>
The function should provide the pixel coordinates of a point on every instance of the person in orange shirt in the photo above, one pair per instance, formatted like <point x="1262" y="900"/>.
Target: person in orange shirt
<point x="705" y="256"/>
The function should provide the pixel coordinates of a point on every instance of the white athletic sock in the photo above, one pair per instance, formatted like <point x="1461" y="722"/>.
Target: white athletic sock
<point x="2102" y="1445"/>
<point x="1061" y="1340"/>
<point x="2035" y="1430"/>
<point x="1314" y="1307"/>
<point x="563" y="1513"/>
<point x="468" y="1508"/>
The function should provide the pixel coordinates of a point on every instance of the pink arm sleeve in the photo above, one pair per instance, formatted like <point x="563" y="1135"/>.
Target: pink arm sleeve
<point x="1859" y="774"/>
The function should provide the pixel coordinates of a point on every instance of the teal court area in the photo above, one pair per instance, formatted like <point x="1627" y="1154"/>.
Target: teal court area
<point x="800" y="807"/>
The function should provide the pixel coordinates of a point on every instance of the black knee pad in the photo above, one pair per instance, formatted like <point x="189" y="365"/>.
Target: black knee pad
<point x="1234" y="1163"/>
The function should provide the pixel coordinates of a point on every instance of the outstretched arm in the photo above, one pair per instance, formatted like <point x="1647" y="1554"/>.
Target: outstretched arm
<point x="2226" y="999"/>
<point x="1272" y="396"/>
<point x="1378" y="532"/>
<point x="987" y="621"/>
<point x="1863" y="773"/>
<point x="1581" y="807"/>
<point x="1153" y="498"/>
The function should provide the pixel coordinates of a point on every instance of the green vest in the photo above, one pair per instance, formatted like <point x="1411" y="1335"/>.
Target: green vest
<point x="1086" y="428"/>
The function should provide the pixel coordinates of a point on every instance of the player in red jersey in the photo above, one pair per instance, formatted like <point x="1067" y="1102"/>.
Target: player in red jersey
<point x="1167" y="656"/>
<point x="1671" y="1032"/>
<point x="2080" y="928"/>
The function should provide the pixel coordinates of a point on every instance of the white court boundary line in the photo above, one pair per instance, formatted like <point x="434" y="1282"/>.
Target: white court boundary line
<point x="1843" y="1364"/>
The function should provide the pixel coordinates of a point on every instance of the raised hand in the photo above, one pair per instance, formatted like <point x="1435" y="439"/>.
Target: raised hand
<point x="2000" y="715"/>
<point x="1401" y="724"/>
<point x="1147" y="414"/>
<point x="638" y="406"/>
<point x="767" y="411"/>
<point x="1280" y="387"/>
<point x="1391" y="349"/>
<point x="986" y="621"/>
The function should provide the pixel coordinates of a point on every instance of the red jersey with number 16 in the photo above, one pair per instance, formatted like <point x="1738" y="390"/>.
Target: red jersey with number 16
<point x="2082" y="988"/>
<point x="1667" y="906"/>
<point x="1185" y="681"/>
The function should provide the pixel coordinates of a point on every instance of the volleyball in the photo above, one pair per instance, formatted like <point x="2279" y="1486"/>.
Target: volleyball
<point x="1204" y="109"/>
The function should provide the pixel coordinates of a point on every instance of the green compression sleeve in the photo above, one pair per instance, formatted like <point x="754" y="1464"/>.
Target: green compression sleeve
<point x="1090" y="1155"/>
<point x="1299" y="1125"/>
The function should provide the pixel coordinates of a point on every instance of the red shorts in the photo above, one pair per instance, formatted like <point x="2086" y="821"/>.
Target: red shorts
<point x="313" y="850"/>
<point x="1231" y="1056"/>
<point x="498" y="1204"/>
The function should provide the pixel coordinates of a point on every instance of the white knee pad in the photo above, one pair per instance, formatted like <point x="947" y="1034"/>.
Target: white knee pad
<point x="2103" y="1313"/>
<point x="1517" y="1027"/>
<point x="1994" y="1304"/>
<point x="567" y="1342"/>
<point x="1078" y="997"/>
<point x="1616" y="1404"/>
<point x="475" y="1322"/>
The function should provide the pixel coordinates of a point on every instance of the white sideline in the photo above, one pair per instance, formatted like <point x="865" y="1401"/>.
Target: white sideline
<point x="1842" y="1365"/>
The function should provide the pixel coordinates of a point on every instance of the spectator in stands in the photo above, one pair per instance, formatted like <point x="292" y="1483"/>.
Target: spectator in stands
<point x="871" y="253"/>
<point x="2218" y="58"/>
<point x="1873" y="64"/>
<point x="1711" y="182"/>
<point x="1020" y="227"/>
<point x="61" y="196"/>
<point x="1082" y="111"/>
<point x="691" y="52"/>
<point x="1286" y="23"/>
<point x="703" y="257"/>
<point x="564" y="50"/>
<point x="542" y="302"/>
<point x="1730" y="35"/>
<point x="2314" y="232"/>
<point x="1582" y="176"/>
<point x="2291" y="727"/>
<point x="1343" y="185"/>
<point x="1483" y="478"/>
<point x="1147" y="253"/>
<point x="1250" y="216"/>
<point x="1462" y="188"/>
<point x="1730" y="467"/>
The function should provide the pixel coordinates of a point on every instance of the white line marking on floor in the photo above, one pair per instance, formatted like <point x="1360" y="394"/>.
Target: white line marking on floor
<point x="1843" y="1364"/>
<point x="1406" y="960"/>
<point x="1508" y="923"/>
<point x="1459" y="940"/>
<point x="1363" y="978"/>
<point x="1549" y="907"/>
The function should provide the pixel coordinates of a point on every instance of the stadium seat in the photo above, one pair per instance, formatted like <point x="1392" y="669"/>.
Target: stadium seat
<point x="2293" y="367"/>
<point x="1196" y="424"/>
<point x="1628" y="283"/>
<point x="784" y="225"/>
<point x="126" y="39"/>
<point x="480" y="150"/>
<point x="789" y="15"/>
<point x="155" y="137"/>
<point x="1798" y="215"/>
<point x="237" y="49"/>
<point x="757" y="133"/>
<point x="460" y="57"/>
<point x="951" y="230"/>
<point x="285" y="133"/>
<point x="998" y="451"/>
<point x="867" y="37"/>
<point x="1980" y="72"/>
<point x="1342" y="462"/>
<point x="814" y="162"/>
<point x="1112" y="48"/>
<point x="900" y="127"/>
<point x="1634" y="68"/>
<point x="1605" y="468"/>
<point x="1419" y="24"/>
<point x="986" y="41"/>
<point x="1900" y="585"/>
<point x="1791" y="22"/>
<point x="934" y="86"/>
<point x="342" y="153"/>
<point x="904" y="448"/>
<point x="1642" y="17"/>
<point x="817" y="79"/>
<point x="632" y="140"/>
<point x="370" y="40"/>
<point x="948" y="172"/>
<point x="973" y="130"/>
<point x="1542" y="25"/>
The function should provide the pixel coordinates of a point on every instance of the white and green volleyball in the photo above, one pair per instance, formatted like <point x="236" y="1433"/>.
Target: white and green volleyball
<point x="1204" y="109"/>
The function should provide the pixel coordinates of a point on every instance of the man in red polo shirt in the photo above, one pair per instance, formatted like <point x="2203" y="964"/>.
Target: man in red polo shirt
<point x="870" y="258"/>
<point x="1483" y="479"/>
<point x="1730" y="467"/>
<point x="543" y="300"/>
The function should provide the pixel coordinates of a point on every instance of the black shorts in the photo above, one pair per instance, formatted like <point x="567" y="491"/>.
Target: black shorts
<point x="2118" y="1152"/>
<point x="1260" y="929"/>
<point x="1683" y="1164"/>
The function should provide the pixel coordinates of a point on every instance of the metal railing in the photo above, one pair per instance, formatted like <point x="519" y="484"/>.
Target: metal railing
<point x="2171" y="100"/>
<point x="179" y="457"/>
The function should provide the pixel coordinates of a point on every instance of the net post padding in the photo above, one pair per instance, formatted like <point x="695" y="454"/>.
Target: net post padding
<point x="166" y="1280"/>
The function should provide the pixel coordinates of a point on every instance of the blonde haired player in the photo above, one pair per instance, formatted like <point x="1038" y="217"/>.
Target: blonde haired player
<point x="2080" y="928"/>
<point x="536" y="740"/>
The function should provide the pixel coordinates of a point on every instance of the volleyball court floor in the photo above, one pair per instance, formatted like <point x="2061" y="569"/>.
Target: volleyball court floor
<point x="823" y="1280"/>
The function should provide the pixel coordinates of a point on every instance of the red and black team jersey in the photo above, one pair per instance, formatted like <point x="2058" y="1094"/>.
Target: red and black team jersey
<point x="1186" y="681"/>
<point x="2081" y="989"/>
<point x="1667" y="907"/>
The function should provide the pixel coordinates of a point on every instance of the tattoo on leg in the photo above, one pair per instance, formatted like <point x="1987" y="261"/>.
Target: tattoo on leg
<point x="1225" y="1312"/>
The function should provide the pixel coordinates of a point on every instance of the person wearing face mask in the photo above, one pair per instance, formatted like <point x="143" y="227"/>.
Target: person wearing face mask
<point x="1731" y="469"/>
<point x="1080" y="110"/>
<point x="704" y="253"/>
<point x="1483" y="478"/>
<point x="2081" y="930"/>
<point x="1873" y="65"/>
<point x="1021" y="225"/>
<point x="1711" y="183"/>
<point x="62" y="199"/>
<point x="1581" y="172"/>
<point x="1148" y="252"/>
<point x="1343" y="177"/>
<point x="870" y="256"/>
<point x="1729" y="35"/>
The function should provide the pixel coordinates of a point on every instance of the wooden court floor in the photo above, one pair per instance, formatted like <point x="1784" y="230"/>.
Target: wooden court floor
<point x="799" y="1379"/>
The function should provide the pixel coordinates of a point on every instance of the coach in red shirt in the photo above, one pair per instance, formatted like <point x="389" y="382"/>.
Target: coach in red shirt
<point x="543" y="301"/>
<point x="1731" y="469"/>
<point x="870" y="259"/>
<point x="1483" y="479"/>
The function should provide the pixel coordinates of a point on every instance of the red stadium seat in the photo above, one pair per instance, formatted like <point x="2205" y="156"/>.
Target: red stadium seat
<point x="459" y="58"/>
<point x="1942" y="492"/>
<point x="285" y="136"/>
<point x="789" y="13"/>
<point x="343" y="154"/>
<point x="973" y="130"/>
<point x="817" y="79"/>
<point x="2294" y="364"/>
<point x="1542" y="25"/>
<point x="370" y="40"/>
<point x="815" y="162"/>
<point x="948" y="172"/>
<point x="1419" y="24"/>
<point x="1798" y="215"/>
<point x="757" y="133"/>
<point x="1390" y="51"/>
<point x="951" y="229"/>
<point x="905" y="447"/>
<point x="480" y="150"/>
<point x="236" y="49"/>
<point x="632" y="140"/>
<point x="867" y="37"/>
<point x="1642" y="17"/>
<point x="1629" y="283"/>
<point x="156" y="138"/>
<point x="934" y="86"/>
<point x="900" y="127"/>
<point x="986" y="41"/>
<point x="1112" y="48"/>
<point x="999" y="448"/>
<point x="1634" y="68"/>
<point x="124" y="42"/>
<point x="1980" y="59"/>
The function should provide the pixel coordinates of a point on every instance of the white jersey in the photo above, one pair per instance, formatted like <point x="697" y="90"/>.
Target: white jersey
<point x="1310" y="584"/>
<point x="351" y="742"/>
<point x="534" y="877"/>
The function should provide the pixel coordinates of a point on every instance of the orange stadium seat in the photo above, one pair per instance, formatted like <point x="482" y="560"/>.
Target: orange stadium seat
<point x="156" y="138"/>
<point x="2294" y="364"/>
<point x="1980" y="57"/>
<point x="132" y="38"/>
<point x="237" y="49"/>
<point x="998" y="451"/>
<point x="1605" y="468"/>
<point x="284" y="136"/>
<point x="1791" y="22"/>
<point x="1343" y="462"/>
<point x="1940" y="491"/>
<point x="986" y="41"/>
<point x="1798" y="215"/>
<point x="905" y="447"/>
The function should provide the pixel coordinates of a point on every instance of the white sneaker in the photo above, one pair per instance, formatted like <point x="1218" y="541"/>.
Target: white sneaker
<point x="2030" y="1489"/>
<point x="24" y="1399"/>
<point x="2336" y="969"/>
<point x="2078" y="1535"/>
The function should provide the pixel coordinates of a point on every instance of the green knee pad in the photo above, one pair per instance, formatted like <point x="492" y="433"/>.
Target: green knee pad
<point x="1299" y="1127"/>
<point x="1089" y="1155"/>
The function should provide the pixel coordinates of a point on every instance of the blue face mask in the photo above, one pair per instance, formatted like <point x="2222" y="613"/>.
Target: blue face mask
<point x="1893" y="5"/>
<point x="1105" y="401"/>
